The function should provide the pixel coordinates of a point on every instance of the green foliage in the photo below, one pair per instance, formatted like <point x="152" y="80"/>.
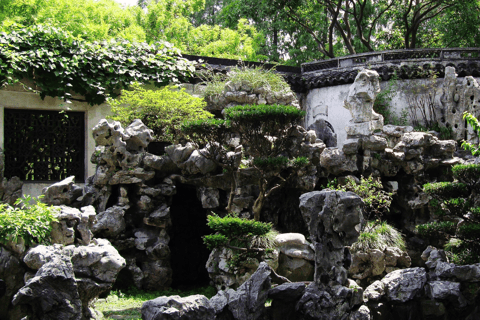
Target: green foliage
<point x="459" y="252"/>
<point x="163" y="110"/>
<point x="30" y="222"/>
<point x="382" y="104"/>
<point x="377" y="201"/>
<point x="255" y="78"/>
<point x="467" y="173"/>
<point x="475" y="124"/>
<point x="60" y="64"/>
<point x="434" y="227"/>
<point x="270" y="163"/>
<point x="213" y="241"/>
<point x="446" y="189"/>
<point x="378" y="236"/>
<point x="470" y="230"/>
<point x="232" y="226"/>
<point x="263" y="115"/>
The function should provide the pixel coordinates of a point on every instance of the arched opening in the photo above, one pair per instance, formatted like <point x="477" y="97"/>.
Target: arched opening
<point x="188" y="253"/>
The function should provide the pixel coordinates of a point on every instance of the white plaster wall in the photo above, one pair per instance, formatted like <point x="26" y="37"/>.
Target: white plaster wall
<point x="328" y="103"/>
<point x="15" y="97"/>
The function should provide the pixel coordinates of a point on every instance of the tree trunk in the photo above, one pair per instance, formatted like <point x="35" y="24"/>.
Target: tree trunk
<point x="258" y="205"/>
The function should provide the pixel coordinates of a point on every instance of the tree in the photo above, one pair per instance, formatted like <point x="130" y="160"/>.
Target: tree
<point x="161" y="110"/>
<point x="87" y="19"/>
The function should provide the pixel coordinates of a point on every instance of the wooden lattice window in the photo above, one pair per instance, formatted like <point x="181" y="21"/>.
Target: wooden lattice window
<point x="44" y="145"/>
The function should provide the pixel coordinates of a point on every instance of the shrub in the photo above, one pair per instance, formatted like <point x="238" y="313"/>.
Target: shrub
<point x="31" y="222"/>
<point x="475" y="124"/>
<point x="163" y="110"/>
<point x="446" y="189"/>
<point x="378" y="236"/>
<point x="435" y="227"/>
<point x="253" y="77"/>
<point x="377" y="201"/>
<point x="469" y="174"/>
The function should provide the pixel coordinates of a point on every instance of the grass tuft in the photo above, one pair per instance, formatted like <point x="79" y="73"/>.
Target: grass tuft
<point x="378" y="236"/>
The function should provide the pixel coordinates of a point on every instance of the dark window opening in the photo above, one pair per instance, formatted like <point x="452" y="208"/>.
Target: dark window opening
<point x="44" y="145"/>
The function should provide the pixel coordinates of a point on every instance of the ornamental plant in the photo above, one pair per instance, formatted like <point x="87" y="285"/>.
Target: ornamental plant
<point x="60" y="64"/>
<point x="163" y="110"/>
<point x="377" y="201"/>
<point x="248" y="238"/>
<point x="475" y="124"/>
<point x="456" y="214"/>
<point x="30" y="222"/>
<point x="264" y="130"/>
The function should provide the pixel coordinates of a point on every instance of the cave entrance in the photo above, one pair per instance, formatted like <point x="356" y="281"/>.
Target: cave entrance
<point x="188" y="253"/>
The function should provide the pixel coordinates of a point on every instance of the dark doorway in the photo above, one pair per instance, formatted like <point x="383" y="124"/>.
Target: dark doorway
<point x="188" y="253"/>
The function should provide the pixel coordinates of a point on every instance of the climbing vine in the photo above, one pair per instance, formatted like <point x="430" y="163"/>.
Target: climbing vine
<point x="60" y="64"/>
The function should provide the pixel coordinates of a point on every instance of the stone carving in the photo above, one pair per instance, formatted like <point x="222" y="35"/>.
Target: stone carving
<point x="360" y="99"/>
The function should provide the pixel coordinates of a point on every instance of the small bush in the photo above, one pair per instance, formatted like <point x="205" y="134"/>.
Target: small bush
<point x="377" y="201"/>
<point x="446" y="189"/>
<point x="254" y="77"/>
<point x="378" y="236"/>
<point x="273" y="163"/>
<point x="163" y="110"/>
<point x="263" y="113"/>
<point x="433" y="228"/>
<point x="459" y="252"/>
<point x="467" y="173"/>
<point x="31" y="222"/>
<point x="232" y="226"/>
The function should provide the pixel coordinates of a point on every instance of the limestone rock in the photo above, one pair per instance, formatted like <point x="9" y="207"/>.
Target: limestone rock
<point x="336" y="162"/>
<point x="110" y="222"/>
<point x="63" y="192"/>
<point x="11" y="273"/>
<point x="333" y="219"/>
<point x="196" y="307"/>
<point x="137" y="136"/>
<point x="403" y="285"/>
<point x="295" y="245"/>
<point x="209" y="197"/>
<point x="324" y="131"/>
<point x="53" y="292"/>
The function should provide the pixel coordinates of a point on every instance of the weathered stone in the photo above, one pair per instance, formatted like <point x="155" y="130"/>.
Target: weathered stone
<point x="157" y="275"/>
<point x="445" y="290"/>
<point x="53" y="292"/>
<point x="196" y="307"/>
<point x="375" y="291"/>
<point x="351" y="146"/>
<point x="363" y="313"/>
<point x="248" y="302"/>
<point x="11" y="273"/>
<point x="374" y="143"/>
<point x="159" y="163"/>
<point x="403" y="285"/>
<point x="63" y="192"/>
<point x="209" y="197"/>
<point x="137" y="136"/>
<point x="197" y="163"/>
<point x="295" y="245"/>
<point x="336" y="162"/>
<point x="160" y="217"/>
<point x="110" y="222"/>
<point x="178" y="153"/>
<point x="333" y="219"/>
<point x="12" y="190"/>
<point x="295" y="269"/>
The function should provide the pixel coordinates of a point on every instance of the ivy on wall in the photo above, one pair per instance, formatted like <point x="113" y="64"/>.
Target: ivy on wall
<point x="60" y="64"/>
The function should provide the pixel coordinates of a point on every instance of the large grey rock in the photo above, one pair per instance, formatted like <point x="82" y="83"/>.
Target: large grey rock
<point x="284" y="299"/>
<point x="137" y="136"/>
<point x="53" y="292"/>
<point x="399" y="285"/>
<point x="336" y="162"/>
<point x="12" y="190"/>
<point x="111" y="222"/>
<point x="196" y="307"/>
<point x="445" y="290"/>
<point x="248" y="302"/>
<point x="333" y="219"/>
<point x="72" y="222"/>
<point x="11" y="272"/>
<point x="63" y="192"/>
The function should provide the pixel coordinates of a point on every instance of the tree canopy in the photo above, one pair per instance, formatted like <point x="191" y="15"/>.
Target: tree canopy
<point x="287" y="31"/>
